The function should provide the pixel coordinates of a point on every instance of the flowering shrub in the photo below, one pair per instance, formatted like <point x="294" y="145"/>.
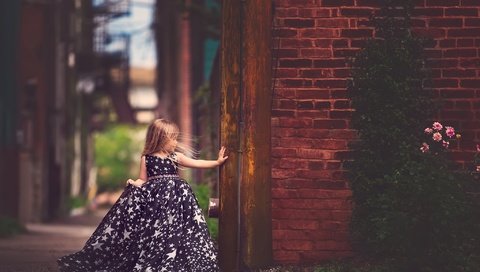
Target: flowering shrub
<point x="476" y="159"/>
<point x="438" y="137"/>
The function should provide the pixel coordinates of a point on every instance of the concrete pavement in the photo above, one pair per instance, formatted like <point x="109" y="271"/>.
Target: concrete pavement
<point x="38" y="249"/>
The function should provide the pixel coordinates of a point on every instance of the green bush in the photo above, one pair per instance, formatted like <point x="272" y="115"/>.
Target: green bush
<point x="9" y="227"/>
<point x="410" y="209"/>
<point x="117" y="155"/>
<point x="202" y="192"/>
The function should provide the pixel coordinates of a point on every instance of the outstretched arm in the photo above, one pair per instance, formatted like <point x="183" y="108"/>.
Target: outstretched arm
<point x="193" y="163"/>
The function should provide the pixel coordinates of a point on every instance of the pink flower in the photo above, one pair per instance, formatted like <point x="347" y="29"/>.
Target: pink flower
<point x="478" y="147"/>
<point x="478" y="168"/>
<point x="437" y="126"/>
<point x="437" y="136"/>
<point x="425" y="147"/>
<point x="445" y="144"/>
<point x="428" y="131"/>
<point x="450" y="131"/>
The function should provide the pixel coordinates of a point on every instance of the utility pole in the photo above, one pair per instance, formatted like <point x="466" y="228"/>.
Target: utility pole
<point x="245" y="237"/>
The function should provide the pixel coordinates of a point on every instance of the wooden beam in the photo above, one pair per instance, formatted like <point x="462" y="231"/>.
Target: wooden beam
<point x="256" y="222"/>
<point x="245" y="230"/>
<point x="229" y="136"/>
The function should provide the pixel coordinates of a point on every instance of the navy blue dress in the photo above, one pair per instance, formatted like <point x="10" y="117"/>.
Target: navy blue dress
<point x="156" y="227"/>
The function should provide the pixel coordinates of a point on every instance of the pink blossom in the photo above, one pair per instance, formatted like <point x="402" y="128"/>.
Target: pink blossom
<point x="437" y="136"/>
<point x="425" y="147"/>
<point x="478" y="147"/>
<point x="437" y="126"/>
<point x="450" y="131"/>
<point x="445" y="144"/>
<point x="428" y="131"/>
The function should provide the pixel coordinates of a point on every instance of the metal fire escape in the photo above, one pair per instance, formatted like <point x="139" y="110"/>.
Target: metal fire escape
<point x="112" y="53"/>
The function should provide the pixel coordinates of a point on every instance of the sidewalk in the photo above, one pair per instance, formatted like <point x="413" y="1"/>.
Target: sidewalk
<point x="38" y="249"/>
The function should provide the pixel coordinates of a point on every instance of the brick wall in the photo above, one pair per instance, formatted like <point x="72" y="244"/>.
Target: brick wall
<point x="311" y="111"/>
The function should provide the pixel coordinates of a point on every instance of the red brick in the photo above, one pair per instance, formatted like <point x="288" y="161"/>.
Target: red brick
<point x="337" y="3"/>
<point x="429" y="12"/>
<point x="295" y="83"/>
<point x="448" y="43"/>
<point x="457" y="93"/>
<point x="338" y="94"/>
<point x="330" y="63"/>
<point x="315" y="73"/>
<point x="324" y="43"/>
<point x="461" y="12"/>
<point x="319" y="33"/>
<point x="473" y="3"/>
<point x="295" y="122"/>
<point x="301" y="214"/>
<point x="286" y="53"/>
<point x="313" y="94"/>
<point x="322" y="105"/>
<point x="316" y="165"/>
<point x="331" y="83"/>
<point x="283" y="113"/>
<point x="472" y="22"/>
<point x="442" y="3"/>
<point x="470" y="83"/>
<point x="465" y="32"/>
<point x="340" y="53"/>
<point x="305" y="105"/>
<point x="356" y="12"/>
<point x="356" y="33"/>
<point x="282" y="173"/>
<point x="446" y="22"/>
<point x="332" y="23"/>
<point x="316" y="53"/>
<point x="340" y="43"/>
<point x="295" y="43"/>
<point x="296" y="63"/>
<point x="299" y="23"/>
<point x="296" y="245"/>
<point x="329" y="124"/>
<point x="456" y="73"/>
<point x="466" y="42"/>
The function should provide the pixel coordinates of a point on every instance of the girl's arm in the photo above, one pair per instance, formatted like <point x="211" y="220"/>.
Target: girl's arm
<point x="142" y="176"/>
<point x="189" y="162"/>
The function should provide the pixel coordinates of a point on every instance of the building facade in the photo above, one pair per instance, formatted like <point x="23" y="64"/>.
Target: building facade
<point x="311" y="112"/>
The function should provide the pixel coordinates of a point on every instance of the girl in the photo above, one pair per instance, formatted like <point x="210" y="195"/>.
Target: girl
<point x="156" y="224"/>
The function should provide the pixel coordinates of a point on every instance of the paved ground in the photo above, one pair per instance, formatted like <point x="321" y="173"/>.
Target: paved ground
<point x="38" y="249"/>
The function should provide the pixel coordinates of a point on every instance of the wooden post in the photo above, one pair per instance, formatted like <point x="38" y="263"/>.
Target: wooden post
<point x="255" y="193"/>
<point x="245" y="209"/>
<point x="229" y="217"/>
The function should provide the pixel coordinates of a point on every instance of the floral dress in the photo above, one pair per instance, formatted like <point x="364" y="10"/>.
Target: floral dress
<point x="156" y="227"/>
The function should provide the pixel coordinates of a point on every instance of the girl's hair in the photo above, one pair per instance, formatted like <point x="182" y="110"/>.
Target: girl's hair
<point x="159" y="133"/>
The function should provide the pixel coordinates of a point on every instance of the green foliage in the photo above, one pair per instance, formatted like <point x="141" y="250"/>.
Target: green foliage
<point x="117" y="155"/>
<point x="202" y="192"/>
<point x="76" y="202"/>
<point x="411" y="209"/>
<point x="9" y="227"/>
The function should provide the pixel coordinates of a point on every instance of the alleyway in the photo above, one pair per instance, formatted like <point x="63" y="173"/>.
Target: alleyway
<point x="38" y="249"/>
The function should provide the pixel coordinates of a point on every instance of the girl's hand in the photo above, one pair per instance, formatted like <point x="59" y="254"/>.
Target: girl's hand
<point x="136" y="183"/>
<point x="221" y="156"/>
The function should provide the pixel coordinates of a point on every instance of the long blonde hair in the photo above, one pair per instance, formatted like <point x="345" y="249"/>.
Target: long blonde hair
<point x="159" y="133"/>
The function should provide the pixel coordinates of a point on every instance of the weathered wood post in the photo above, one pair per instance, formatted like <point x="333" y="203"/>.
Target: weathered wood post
<point x="245" y="237"/>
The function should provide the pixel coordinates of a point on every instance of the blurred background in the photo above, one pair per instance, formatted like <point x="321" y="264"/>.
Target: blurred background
<point x="80" y="81"/>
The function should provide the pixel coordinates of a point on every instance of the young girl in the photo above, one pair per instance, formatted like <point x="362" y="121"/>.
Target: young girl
<point x="156" y="224"/>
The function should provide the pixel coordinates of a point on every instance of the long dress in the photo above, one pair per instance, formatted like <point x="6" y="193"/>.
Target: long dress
<point x="156" y="227"/>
